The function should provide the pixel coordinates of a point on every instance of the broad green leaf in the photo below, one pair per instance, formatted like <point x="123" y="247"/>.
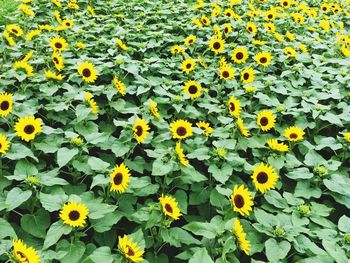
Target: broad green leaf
<point x="64" y="155"/>
<point x="55" y="232"/>
<point x="16" y="197"/>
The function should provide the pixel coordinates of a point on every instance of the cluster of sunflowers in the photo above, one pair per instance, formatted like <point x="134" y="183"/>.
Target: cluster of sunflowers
<point x="225" y="147"/>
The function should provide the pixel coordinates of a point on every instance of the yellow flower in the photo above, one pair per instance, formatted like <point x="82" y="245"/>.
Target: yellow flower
<point x="170" y="206"/>
<point x="347" y="136"/>
<point x="240" y="55"/>
<point x="290" y="52"/>
<point x="181" y="129"/>
<point x="294" y="133"/>
<point x="10" y="41"/>
<point x="180" y="154"/>
<point x="247" y="75"/>
<point x="266" y="120"/>
<point x="234" y="106"/>
<point x="77" y="141"/>
<point x="22" y="253"/>
<point x="87" y="71"/>
<point x="4" y="144"/>
<point x="121" y="44"/>
<point x="277" y="146"/>
<point x="57" y="60"/>
<point x="154" y="109"/>
<point x="226" y="72"/>
<point x="119" y="86"/>
<point x="205" y="20"/>
<point x="193" y="89"/>
<point x="25" y="66"/>
<point x="120" y="178"/>
<point x="177" y="50"/>
<point x="270" y="14"/>
<point x="251" y="28"/>
<point x="91" y="10"/>
<point x="57" y="3"/>
<point x="227" y="28"/>
<point x="28" y="56"/>
<point x="197" y="22"/>
<point x="205" y="127"/>
<point x="188" y="65"/>
<point x="52" y="75"/>
<point x="303" y="48"/>
<point x="217" y="45"/>
<point x="243" y="243"/>
<point x="74" y="214"/>
<point x="15" y="29"/>
<point x="27" y="128"/>
<point x="141" y="130"/>
<point x="130" y="249"/>
<point x="92" y="103"/>
<point x="290" y="36"/>
<point x="286" y="3"/>
<point x="80" y="45"/>
<point x="191" y="39"/>
<point x="249" y="89"/>
<point x="242" y="200"/>
<point x="264" y="177"/>
<point x="270" y="27"/>
<point x="263" y="58"/>
<point x="26" y="10"/>
<point x="242" y="128"/>
<point x="5" y="104"/>
<point x="67" y="23"/>
<point x="298" y="18"/>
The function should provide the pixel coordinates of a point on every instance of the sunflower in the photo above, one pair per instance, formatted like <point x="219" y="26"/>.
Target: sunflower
<point x="80" y="45"/>
<point x="121" y="44"/>
<point x="217" y="45"/>
<point x="270" y="27"/>
<point x="205" y="20"/>
<point x="205" y="127"/>
<point x="264" y="177"/>
<point x="52" y="75"/>
<point x="242" y="200"/>
<point x="286" y="3"/>
<point x="180" y="154"/>
<point x="294" y="133"/>
<point x="290" y="51"/>
<point x="119" y="86"/>
<point x="5" y="104"/>
<point x="87" y="71"/>
<point x="270" y="15"/>
<point x="298" y="18"/>
<point x="10" y="41"/>
<point x="58" y="44"/>
<point x="347" y="136"/>
<point x="251" y="28"/>
<point x="227" y="28"/>
<point x="266" y="120"/>
<point x="247" y="75"/>
<point x="24" y="254"/>
<point x="177" y="50"/>
<point x="141" y="130"/>
<point x="197" y="22"/>
<point x="227" y="72"/>
<point x="130" y="249"/>
<point x="27" y="127"/>
<point x="234" y="107"/>
<point x="181" y="129"/>
<point x="192" y="88"/>
<point x="290" y="36"/>
<point x="74" y="214"/>
<point x="242" y="128"/>
<point x="25" y="66"/>
<point x="239" y="55"/>
<point x="243" y="243"/>
<point x="263" y="58"/>
<point x="92" y="103"/>
<point x="57" y="60"/>
<point x="15" y="29"/>
<point x="170" y="206"/>
<point x="4" y="144"/>
<point x="191" y="39"/>
<point x="277" y="146"/>
<point x="67" y="23"/>
<point x="188" y="65"/>
<point x="154" y="109"/>
<point x="120" y="178"/>
<point x="325" y="8"/>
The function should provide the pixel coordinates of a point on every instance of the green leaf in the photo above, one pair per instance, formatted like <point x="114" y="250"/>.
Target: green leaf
<point x="36" y="224"/>
<point x="191" y="175"/>
<point x="300" y="173"/>
<point x="97" y="164"/>
<point x="55" y="232"/>
<point x="53" y="201"/>
<point x="176" y="236"/>
<point x="207" y="230"/>
<point x="201" y="256"/>
<point x="276" y="251"/>
<point x="102" y="255"/>
<point x="344" y="224"/>
<point x="75" y="251"/>
<point x="338" y="184"/>
<point x="64" y="155"/>
<point x="6" y="229"/>
<point x="221" y="174"/>
<point x="335" y="251"/>
<point x="161" y="168"/>
<point x="16" y="197"/>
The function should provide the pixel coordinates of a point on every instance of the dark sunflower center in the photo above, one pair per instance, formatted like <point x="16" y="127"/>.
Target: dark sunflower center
<point x="74" y="215"/>
<point x="58" y="45"/>
<point x="192" y="89"/>
<point x="4" y="105"/>
<point x="67" y="24"/>
<point x="130" y="252"/>
<point x="324" y="8"/>
<point x="262" y="177"/>
<point x="250" y="29"/>
<point x="22" y="256"/>
<point x="15" y="31"/>
<point x="55" y="60"/>
<point x="181" y="131"/>
<point x="190" y="41"/>
<point x="217" y="45"/>
<point x="264" y="121"/>
<point x="0" y="146"/>
<point x="285" y="3"/>
<point x="246" y="76"/>
<point x="205" y="21"/>
<point x="263" y="60"/>
<point x="239" y="201"/>
<point x="118" y="178"/>
<point x="226" y="30"/>
<point x="188" y="66"/>
<point x="86" y="72"/>
<point x="225" y="74"/>
<point x="293" y="136"/>
<point x="232" y="106"/>
<point x="270" y="16"/>
<point x="139" y="130"/>
<point x="228" y="14"/>
<point x="239" y="55"/>
<point x="168" y="208"/>
<point x="29" y="129"/>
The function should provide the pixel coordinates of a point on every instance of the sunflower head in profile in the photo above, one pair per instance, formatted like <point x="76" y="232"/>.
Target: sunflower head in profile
<point x="5" y="104"/>
<point x="180" y="154"/>
<point x="27" y="128"/>
<point x="181" y="129"/>
<point x="188" y="65"/>
<point x="264" y="177"/>
<point x="87" y="71"/>
<point x="294" y="134"/>
<point x="247" y="75"/>
<point x="275" y="145"/>
<point x="190" y="40"/>
<point x="58" y="44"/>
<point x="205" y="20"/>
<point x="15" y="29"/>
<point x="263" y="58"/>
<point x="193" y="89"/>
<point x="4" y="144"/>
<point x="240" y="55"/>
<point x="227" y="28"/>
<point x="289" y="51"/>
<point x="266" y="120"/>
<point x="234" y="106"/>
<point x="205" y="127"/>
<point x="74" y="214"/>
<point x="242" y="200"/>
<point x="227" y="72"/>
<point x="251" y="28"/>
<point x="170" y="207"/>
<point x="141" y="130"/>
<point x="119" y="86"/>
<point x="57" y="59"/>
<point x="130" y="249"/>
<point x="22" y="253"/>
<point x="347" y="136"/>
<point x="242" y="128"/>
<point x="243" y="242"/>
<point x="217" y="45"/>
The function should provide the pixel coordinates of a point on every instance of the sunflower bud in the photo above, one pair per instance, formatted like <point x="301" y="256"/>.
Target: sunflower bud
<point x="221" y="152"/>
<point x="321" y="171"/>
<point x="119" y="61"/>
<point x="32" y="180"/>
<point x="279" y="232"/>
<point x="347" y="238"/>
<point x="280" y="108"/>
<point x="304" y="210"/>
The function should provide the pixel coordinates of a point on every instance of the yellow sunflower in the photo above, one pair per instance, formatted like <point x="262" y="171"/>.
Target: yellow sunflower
<point x="180" y="154"/>
<point x="27" y="128"/>
<point x="263" y="58"/>
<point x="251" y="28"/>
<point x="242" y="200"/>
<point x="188" y="65"/>
<point x="240" y="55"/>
<point x="266" y="120"/>
<point x="205" y="127"/>
<point x="154" y="109"/>
<point x="243" y="243"/>
<point x="121" y="44"/>
<point x="141" y="130"/>
<point x="170" y="206"/>
<point x="15" y="29"/>
<point x="25" y="66"/>
<point x="177" y="50"/>
<point x="5" y="104"/>
<point x="58" y="44"/>
<point x="290" y="52"/>
<point x="286" y="3"/>
<point x="191" y="39"/>
<point x="192" y="88"/>
<point x="227" y="72"/>
<point x="181" y="129"/>
<point x="74" y="214"/>
<point x="57" y="60"/>
<point x="217" y="45"/>
<point x="119" y="86"/>
<point x="277" y="146"/>
<point x="270" y="14"/>
<point x="52" y="75"/>
<point x="120" y="178"/>
<point x="227" y="28"/>
<point x="247" y="75"/>
<point x="242" y="128"/>
<point x="67" y="23"/>
<point x="87" y="71"/>
<point x="347" y="136"/>
<point x="264" y="177"/>
<point x="24" y="254"/>
<point x="92" y="103"/>
<point x="4" y="144"/>
<point x="294" y="133"/>
<point x="130" y="249"/>
<point x="234" y="106"/>
<point x="205" y="20"/>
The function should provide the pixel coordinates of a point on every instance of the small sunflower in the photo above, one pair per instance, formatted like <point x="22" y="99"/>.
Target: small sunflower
<point x="227" y="72"/>
<point x="58" y="44"/>
<point x="264" y="177"/>
<point x="15" y="29"/>
<point x="242" y="128"/>
<point x="130" y="249"/>
<point x="227" y="28"/>
<point x="251" y="28"/>
<point x="119" y="86"/>
<point x="263" y="58"/>
<point x="234" y="106"/>
<point x="205" y="20"/>
<point x="74" y="214"/>
<point x="170" y="206"/>
<point x="24" y="254"/>
<point x="193" y="89"/>
<point x="25" y="66"/>
<point x="154" y="109"/>
<point x="240" y="55"/>
<point x="286" y="3"/>
<point x="5" y="104"/>
<point x="188" y="65"/>
<point x="347" y="136"/>
<point x="247" y="75"/>
<point x="242" y="200"/>
<point x="294" y="133"/>
<point x="120" y="178"/>
<point x="27" y="128"/>
<point x="177" y="50"/>
<point x="87" y="71"/>
<point x="141" y="130"/>
<point x="205" y="127"/>
<point x="277" y="146"/>
<point x="52" y="75"/>
<point x="58" y="60"/>
<point x="243" y="243"/>
<point x="181" y="129"/>
<point x="121" y="44"/>
<point x="290" y="52"/>
<point x="266" y="120"/>
<point x="217" y="45"/>
<point x="270" y="14"/>
<point x="4" y="144"/>
<point x="67" y="23"/>
<point x="92" y="103"/>
<point x="180" y="154"/>
<point x="191" y="39"/>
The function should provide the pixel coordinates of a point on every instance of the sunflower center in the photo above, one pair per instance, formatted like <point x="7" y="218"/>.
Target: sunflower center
<point x="130" y="252"/>
<point x="217" y="45"/>
<point x="262" y="177"/>
<point x="29" y="129"/>
<point x="192" y="89"/>
<point x="264" y="121"/>
<point x="250" y="29"/>
<point x="190" y="41"/>
<point x="226" y="30"/>
<point x="270" y="16"/>
<point x="285" y="3"/>
<point x="74" y="215"/>
<point x="58" y="45"/>
<point x="263" y="60"/>
<point x="181" y="131"/>
<point x="118" y="178"/>
<point x="228" y="14"/>
<point x="15" y="31"/>
<point x="225" y="74"/>
<point x="324" y="8"/>
<point x="232" y="106"/>
<point x="239" y="55"/>
<point x="4" y="105"/>
<point x="22" y="256"/>
<point x="55" y="60"/>
<point x="239" y="201"/>
<point x="139" y="130"/>
<point x="168" y="208"/>
<point x="293" y="136"/>
<point x="246" y="76"/>
<point x="188" y="66"/>
<point x="67" y="24"/>
<point x="86" y="72"/>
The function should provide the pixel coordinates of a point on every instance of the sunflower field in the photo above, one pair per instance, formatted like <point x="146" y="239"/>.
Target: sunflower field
<point x="175" y="131"/>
